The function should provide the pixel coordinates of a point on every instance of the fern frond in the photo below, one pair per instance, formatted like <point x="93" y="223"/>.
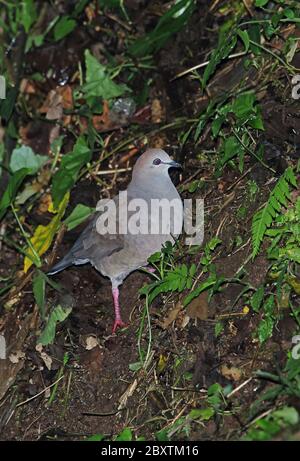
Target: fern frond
<point x="278" y="198"/>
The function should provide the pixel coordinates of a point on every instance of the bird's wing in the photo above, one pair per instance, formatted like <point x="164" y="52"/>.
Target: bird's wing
<point x="92" y="246"/>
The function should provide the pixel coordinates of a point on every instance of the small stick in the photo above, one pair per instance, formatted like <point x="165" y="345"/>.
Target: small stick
<point x="40" y="393"/>
<point x="105" y="172"/>
<point x="204" y="64"/>
<point x="239" y="387"/>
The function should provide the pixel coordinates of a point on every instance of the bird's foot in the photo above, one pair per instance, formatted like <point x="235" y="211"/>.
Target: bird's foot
<point x="118" y="324"/>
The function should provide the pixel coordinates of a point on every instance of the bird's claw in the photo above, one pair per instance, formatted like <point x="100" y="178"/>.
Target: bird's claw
<point x="118" y="324"/>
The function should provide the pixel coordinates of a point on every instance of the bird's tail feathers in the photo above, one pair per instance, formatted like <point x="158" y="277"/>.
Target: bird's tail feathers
<point x="61" y="265"/>
<point x="67" y="261"/>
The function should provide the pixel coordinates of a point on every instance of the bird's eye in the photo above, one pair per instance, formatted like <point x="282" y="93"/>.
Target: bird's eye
<point x="156" y="161"/>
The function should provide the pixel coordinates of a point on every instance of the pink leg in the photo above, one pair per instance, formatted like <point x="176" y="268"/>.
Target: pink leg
<point x="118" y="320"/>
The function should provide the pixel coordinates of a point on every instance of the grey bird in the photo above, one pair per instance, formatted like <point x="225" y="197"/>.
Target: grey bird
<point x="116" y="255"/>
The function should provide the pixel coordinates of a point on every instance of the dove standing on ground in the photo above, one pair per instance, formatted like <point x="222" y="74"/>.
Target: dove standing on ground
<point x="116" y="255"/>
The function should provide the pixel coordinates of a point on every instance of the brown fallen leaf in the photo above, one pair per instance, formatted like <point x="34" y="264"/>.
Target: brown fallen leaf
<point x="16" y="356"/>
<point x="172" y="315"/>
<point x="27" y="86"/>
<point x="67" y="96"/>
<point x="44" y="356"/>
<point x="52" y="106"/>
<point x="91" y="342"/>
<point x="156" y="111"/>
<point x="44" y="204"/>
<point x="198" y="307"/>
<point x="232" y="373"/>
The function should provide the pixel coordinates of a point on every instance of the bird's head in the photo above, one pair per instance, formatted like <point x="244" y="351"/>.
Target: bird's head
<point x="154" y="163"/>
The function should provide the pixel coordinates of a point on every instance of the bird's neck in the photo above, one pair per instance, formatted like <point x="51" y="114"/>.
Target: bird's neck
<point x="159" y="186"/>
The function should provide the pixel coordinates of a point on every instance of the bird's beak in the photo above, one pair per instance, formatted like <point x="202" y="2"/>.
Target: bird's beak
<point x="174" y="164"/>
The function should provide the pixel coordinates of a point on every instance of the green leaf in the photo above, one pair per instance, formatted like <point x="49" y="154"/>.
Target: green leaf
<point x="264" y="218"/>
<point x="125" y="435"/>
<point x="24" y="157"/>
<point x="7" y="105"/>
<point x="136" y="366"/>
<point x="162" y="435"/>
<point x="39" y="285"/>
<point x="288" y="415"/>
<point x="212" y="244"/>
<point x="268" y="306"/>
<point x="257" y="298"/>
<point x="219" y="327"/>
<point x="231" y="148"/>
<point x="71" y="163"/>
<point x="261" y="3"/>
<point x="95" y="438"/>
<point x="29" y="14"/>
<point x="255" y="36"/>
<point x="2" y="153"/>
<point x="203" y="414"/>
<point x="98" y="82"/>
<point x="226" y="43"/>
<point x="58" y="315"/>
<point x="265" y="329"/>
<point x="293" y="254"/>
<point x="243" y="105"/>
<point x="63" y="27"/>
<point x="169" y="24"/>
<point x="78" y="215"/>
<point x="243" y="34"/>
<point x="15" y="182"/>
<point x="202" y="287"/>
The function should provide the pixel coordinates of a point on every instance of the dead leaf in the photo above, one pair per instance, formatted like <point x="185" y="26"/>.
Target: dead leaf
<point x="90" y="13"/>
<point x="67" y="96"/>
<point x="162" y="363"/>
<point x="91" y="342"/>
<point x="231" y="372"/>
<point x="16" y="356"/>
<point x="198" y="307"/>
<point x="45" y="357"/>
<point x="52" y="106"/>
<point x="44" y="204"/>
<point x="128" y="393"/>
<point x="47" y="360"/>
<point x="43" y="235"/>
<point x="12" y="301"/>
<point x="172" y="315"/>
<point x="27" y="86"/>
<point x="156" y="111"/>
<point x="185" y="321"/>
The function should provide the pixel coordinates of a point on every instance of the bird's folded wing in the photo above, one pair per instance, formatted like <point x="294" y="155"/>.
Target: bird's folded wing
<point x="93" y="246"/>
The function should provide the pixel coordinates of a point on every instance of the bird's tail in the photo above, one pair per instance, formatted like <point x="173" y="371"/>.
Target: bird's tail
<point x="61" y="265"/>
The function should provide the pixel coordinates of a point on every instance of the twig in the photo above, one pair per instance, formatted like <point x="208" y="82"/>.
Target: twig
<point x="40" y="393"/>
<point x="204" y="64"/>
<point x="103" y="415"/>
<point x="239" y="387"/>
<point x="120" y="170"/>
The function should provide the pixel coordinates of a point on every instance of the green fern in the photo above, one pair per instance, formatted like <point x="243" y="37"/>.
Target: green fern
<point x="264" y="218"/>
